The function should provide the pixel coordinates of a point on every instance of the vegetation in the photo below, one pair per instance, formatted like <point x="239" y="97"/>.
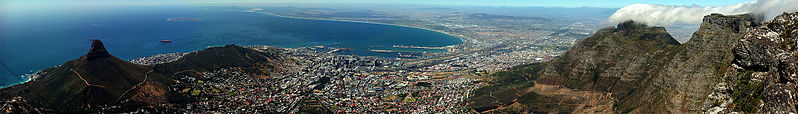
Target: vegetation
<point x="502" y="89"/>
<point x="747" y="94"/>
<point x="219" y="57"/>
<point x="96" y="78"/>
<point x="195" y="92"/>
<point x="425" y="84"/>
<point x="409" y="99"/>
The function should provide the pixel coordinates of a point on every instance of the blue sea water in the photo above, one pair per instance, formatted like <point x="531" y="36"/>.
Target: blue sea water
<point x="37" y="39"/>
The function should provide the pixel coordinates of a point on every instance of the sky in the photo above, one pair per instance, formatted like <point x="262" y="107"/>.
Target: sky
<point x="664" y="15"/>
<point x="535" y="3"/>
<point x="540" y="3"/>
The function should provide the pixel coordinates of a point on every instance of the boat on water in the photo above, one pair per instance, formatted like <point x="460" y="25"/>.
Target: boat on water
<point x="405" y="55"/>
<point x="183" y="19"/>
<point x="166" y="41"/>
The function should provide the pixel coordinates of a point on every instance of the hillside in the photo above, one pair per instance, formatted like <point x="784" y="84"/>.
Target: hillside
<point x="100" y="82"/>
<point x="95" y="79"/>
<point x="221" y="57"/>
<point x="631" y="68"/>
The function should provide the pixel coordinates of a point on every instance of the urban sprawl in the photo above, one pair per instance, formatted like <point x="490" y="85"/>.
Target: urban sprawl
<point x="316" y="78"/>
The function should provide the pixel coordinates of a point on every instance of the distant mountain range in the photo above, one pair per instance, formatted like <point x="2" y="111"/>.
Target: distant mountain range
<point x="729" y="65"/>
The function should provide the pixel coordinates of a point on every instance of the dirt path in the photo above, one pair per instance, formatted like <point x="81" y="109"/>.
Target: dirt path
<point x="146" y="75"/>
<point x="84" y="80"/>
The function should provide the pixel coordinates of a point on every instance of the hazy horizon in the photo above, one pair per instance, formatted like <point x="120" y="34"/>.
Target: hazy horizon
<point x="489" y="3"/>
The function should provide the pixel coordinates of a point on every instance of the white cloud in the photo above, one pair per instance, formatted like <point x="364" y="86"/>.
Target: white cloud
<point x="662" y="15"/>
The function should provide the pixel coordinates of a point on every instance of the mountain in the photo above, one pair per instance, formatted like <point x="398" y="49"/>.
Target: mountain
<point x="93" y="80"/>
<point x="101" y="82"/>
<point x="630" y="68"/>
<point x="257" y="62"/>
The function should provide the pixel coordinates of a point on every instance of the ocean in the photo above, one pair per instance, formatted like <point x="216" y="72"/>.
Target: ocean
<point x="37" y="39"/>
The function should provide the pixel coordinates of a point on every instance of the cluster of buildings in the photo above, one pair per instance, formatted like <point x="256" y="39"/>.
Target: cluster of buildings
<point x="347" y="83"/>
<point x="158" y="59"/>
<point x="338" y="83"/>
<point x="232" y="90"/>
<point x="374" y="94"/>
<point x="436" y="82"/>
<point x="494" y="61"/>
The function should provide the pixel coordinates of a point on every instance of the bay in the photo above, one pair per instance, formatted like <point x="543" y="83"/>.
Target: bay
<point x="37" y="39"/>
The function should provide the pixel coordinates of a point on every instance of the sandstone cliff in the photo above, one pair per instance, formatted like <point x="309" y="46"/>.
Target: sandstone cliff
<point x="634" y="68"/>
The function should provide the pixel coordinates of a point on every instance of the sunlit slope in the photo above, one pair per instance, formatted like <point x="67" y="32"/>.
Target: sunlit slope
<point x="643" y="69"/>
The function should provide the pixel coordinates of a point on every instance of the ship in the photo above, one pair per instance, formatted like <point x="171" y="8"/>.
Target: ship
<point x="166" y="41"/>
<point x="183" y="19"/>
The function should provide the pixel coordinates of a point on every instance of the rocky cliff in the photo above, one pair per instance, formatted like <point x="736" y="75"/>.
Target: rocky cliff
<point x="634" y="68"/>
<point x="762" y="75"/>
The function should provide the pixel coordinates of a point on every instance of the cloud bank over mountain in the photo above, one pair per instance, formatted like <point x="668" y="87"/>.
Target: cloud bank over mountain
<point x="662" y="15"/>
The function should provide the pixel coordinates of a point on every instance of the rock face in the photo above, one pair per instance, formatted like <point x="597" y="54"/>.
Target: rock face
<point x="618" y="60"/>
<point x="97" y="50"/>
<point x="642" y="68"/>
<point x="768" y="52"/>
<point x="701" y="63"/>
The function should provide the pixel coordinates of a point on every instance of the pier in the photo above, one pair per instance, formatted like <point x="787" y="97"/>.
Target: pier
<point x="417" y="47"/>
<point x="337" y="50"/>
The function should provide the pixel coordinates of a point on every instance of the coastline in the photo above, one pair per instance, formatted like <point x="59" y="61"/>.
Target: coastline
<point x="463" y="40"/>
<point x="31" y="77"/>
<point x="28" y="78"/>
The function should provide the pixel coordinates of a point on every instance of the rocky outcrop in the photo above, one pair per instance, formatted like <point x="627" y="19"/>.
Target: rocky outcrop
<point x="97" y="50"/>
<point x="768" y="54"/>
<point x="687" y="79"/>
<point x="642" y="67"/>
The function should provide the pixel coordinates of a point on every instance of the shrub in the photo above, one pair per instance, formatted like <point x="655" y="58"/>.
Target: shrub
<point x="746" y="94"/>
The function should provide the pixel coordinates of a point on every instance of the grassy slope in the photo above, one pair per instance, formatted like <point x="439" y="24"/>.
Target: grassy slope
<point x="219" y="57"/>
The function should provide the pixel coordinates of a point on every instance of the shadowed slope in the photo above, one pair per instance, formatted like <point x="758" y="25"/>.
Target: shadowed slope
<point x="94" y="79"/>
<point x="220" y="57"/>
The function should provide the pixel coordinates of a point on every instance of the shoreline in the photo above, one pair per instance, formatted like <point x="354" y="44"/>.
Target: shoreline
<point x="28" y="78"/>
<point x="462" y="40"/>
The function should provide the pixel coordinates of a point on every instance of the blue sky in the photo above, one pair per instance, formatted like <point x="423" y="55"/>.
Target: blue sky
<point x="541" y="3"/>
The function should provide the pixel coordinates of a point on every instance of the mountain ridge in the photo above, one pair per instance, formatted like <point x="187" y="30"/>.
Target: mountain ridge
<point x="639" y="67"/>
<point x="94" y="79"/>
<point x="99" y="81"/>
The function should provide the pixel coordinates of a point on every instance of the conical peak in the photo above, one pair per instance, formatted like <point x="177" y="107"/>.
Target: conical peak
<point x="97" y="50"/>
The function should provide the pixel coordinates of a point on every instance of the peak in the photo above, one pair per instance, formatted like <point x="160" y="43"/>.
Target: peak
<point x="716" y="17"/>
<point x="635" y="31"/>
<point x="231" y="45"/>
<point x="97" y="50"/>
<point x="630" y="25"/>
<point x="734" y="22"/>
